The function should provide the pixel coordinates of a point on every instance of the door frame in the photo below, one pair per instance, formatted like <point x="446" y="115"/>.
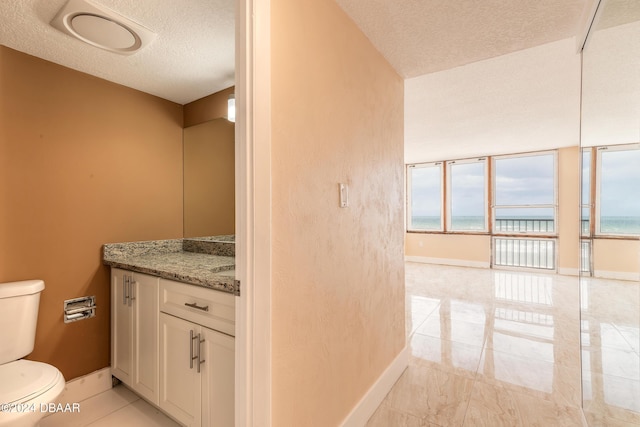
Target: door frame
<point x="253" y="213"/>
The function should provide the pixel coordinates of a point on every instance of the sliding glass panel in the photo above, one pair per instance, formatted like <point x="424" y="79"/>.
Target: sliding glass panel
<point x="426" y="197"/>
<point x="619" y="211"/>
<point x="524" y="194"/>
<point x="468" y="196"/>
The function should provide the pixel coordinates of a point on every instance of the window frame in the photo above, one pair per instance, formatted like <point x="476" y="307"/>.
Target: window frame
<point x="449" y="192"/>
<point x="409" y="177"/>
<point x="554" y="206"/>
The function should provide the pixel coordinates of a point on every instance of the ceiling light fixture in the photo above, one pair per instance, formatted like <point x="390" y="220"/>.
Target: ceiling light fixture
<point x="101" y="27"/>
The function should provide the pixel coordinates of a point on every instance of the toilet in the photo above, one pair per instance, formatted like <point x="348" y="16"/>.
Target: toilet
<point x="26" y="387"/>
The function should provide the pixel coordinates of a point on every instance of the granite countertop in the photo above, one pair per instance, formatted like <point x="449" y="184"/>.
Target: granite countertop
<point x="198" y="264"/>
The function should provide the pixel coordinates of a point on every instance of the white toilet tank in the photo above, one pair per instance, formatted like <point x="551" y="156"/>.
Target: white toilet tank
<point x="18" y="317"/>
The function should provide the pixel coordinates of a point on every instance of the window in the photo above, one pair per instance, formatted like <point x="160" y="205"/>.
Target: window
<point x="524" y="194"/>
<point x="467" y="195"/>
<point x="585" y="198"/>
<point x="618" y="190"/>
<point x="425" y="196"/>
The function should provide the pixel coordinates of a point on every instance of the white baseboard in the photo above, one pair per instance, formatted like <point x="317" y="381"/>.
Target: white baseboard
<point x="569" y="271"/>
<point x="447" y="261"/>
<point x="81" y="388"/>
<point x="365" y="408"/>
<point x="617" y="275"/>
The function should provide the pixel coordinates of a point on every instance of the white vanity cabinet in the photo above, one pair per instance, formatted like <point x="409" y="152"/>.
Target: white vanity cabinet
<point x="197" y="354"/>
<point x="173" y="344"/>
<point x="134" y="331"/>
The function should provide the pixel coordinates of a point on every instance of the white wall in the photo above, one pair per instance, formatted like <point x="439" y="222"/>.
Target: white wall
<point x="524" y="101"/>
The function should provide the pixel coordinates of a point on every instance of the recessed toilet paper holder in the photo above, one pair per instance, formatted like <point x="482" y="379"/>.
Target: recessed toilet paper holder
<point x="79" y="309"/>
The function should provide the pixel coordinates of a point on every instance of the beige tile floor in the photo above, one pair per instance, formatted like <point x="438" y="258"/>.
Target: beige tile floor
<point x="488" y="348"/>
<point x="117" y="407"/>
<point x="502" y="348"/>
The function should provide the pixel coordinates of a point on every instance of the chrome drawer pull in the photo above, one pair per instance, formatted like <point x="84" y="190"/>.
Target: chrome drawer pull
<point x="195" y="305"/>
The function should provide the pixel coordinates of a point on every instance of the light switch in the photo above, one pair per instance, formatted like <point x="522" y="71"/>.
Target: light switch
<point x="344" y="195"/>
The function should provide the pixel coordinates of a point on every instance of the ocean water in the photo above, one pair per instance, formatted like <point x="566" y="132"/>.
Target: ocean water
<point x="425" y="222"/>
<point x="471" y="223"/>
<point x="620" y="224"/>
<point x="627" y="225"/>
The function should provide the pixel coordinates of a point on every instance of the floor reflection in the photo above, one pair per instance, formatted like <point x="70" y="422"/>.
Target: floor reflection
<point x="495" y="347"/>
<point x="610" y="331"/>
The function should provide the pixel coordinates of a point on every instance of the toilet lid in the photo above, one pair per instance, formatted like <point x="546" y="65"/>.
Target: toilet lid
<point x="25" y="379"/>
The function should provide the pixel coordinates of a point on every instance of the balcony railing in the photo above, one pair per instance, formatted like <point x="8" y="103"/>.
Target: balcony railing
<point x="529" y="253"/>
<point x="523" y="225"/>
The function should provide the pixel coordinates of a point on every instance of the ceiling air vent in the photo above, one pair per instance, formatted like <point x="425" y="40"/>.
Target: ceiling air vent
<point x="98" y="26"/>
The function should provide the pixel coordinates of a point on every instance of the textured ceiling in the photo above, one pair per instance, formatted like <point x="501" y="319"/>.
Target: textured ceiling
<point x="424" y="36"/>
<point x="618" y="12"/>
<point x="193" y="55"/>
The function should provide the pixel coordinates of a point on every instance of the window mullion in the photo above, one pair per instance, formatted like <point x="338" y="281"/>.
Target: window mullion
<point x="489" y="199"/>
<point x="445" y="197"/>
<point x="593" y="190"/>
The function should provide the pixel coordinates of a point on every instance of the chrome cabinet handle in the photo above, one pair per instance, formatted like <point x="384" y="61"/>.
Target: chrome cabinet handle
<point x="196" y="306"/>
<point x="191" y="356"/>
<point x="129" y="279"/>
<point x="200" y="361"/>
<point x="132" y="289"/>
<point x="125" y="289"/>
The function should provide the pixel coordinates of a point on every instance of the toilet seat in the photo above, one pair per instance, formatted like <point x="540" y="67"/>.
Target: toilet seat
<point x="24" y="380"/>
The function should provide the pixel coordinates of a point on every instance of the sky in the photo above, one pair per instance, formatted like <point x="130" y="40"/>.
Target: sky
<point x="525" y="180"/>
<point x="468" y="192"/>
<point x="620" y="187"/>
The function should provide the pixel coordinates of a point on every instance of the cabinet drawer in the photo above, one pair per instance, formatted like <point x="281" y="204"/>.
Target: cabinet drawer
<point x="206" y="307"/>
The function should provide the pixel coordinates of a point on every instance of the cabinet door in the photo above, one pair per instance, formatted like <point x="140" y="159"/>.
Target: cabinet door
<point x="180" y="393"/>
<point x="217" y="352"/>
<point x="121" y="327"/>
<point x="144" y="298"/>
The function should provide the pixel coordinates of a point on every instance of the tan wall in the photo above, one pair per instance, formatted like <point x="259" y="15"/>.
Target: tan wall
<point x="209" y="180"/>
<point x="569" y="209"/>
<point x="615" y="255"/>
<point x="473" y="249"/>
<point x="476" y="249"/>
<point x="82" y="162"/>
<point x="210" y="107"/>
<point x="338" y="274"/>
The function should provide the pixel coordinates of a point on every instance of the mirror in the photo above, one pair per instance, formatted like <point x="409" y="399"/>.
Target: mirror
<point x="209" y="181"/>
<point x="610" y="243"/>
